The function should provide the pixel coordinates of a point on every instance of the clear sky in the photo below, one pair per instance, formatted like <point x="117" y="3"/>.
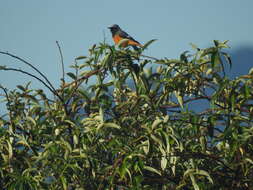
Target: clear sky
<point x="30" y="28"/>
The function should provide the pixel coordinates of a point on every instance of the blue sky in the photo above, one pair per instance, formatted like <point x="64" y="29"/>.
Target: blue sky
<point x="30" y="28"/>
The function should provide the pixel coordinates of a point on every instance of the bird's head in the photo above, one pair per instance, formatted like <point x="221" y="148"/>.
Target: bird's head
<point x="114" y="28"/>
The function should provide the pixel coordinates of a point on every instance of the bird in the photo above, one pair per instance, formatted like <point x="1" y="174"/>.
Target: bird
<point x="118" y="34"/>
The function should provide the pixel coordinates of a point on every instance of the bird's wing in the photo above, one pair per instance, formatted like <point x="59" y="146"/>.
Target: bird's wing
<point x="123" y="34"/>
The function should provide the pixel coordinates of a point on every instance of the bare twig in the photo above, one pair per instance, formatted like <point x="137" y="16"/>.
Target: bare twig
<point x="5" y="93"/>
<point x="62" y="62"/>
<point x="149" y="57"/>
<point x="37" y="78"/>
<point x="83" y="78"/>
<point x="8" y="104"/>
<point x="34" y="68"/>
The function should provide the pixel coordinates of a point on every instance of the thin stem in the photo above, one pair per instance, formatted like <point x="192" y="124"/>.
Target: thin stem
<point x="83" y="77"/>
<point x="40" y="80"/>
<point x="149" y="57"/>
<point x="62" y="62"/>
<point x="186" y="101"/>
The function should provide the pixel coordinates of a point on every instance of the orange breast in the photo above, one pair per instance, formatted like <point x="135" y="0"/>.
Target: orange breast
<point x="117" y="39"/>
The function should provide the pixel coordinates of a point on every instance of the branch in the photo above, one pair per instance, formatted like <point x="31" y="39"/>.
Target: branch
<point x="83" y="78"/>
<point x="80" y="82"/>
<point x="37" y="78"/>
<point x="34" y="68"/>
<point x="8" y="103"/>
<point x="149" y="57"/>
<point x="186" y="101"/>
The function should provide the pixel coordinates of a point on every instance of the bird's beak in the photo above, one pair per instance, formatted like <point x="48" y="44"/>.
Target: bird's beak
<point x="109" y="27"/>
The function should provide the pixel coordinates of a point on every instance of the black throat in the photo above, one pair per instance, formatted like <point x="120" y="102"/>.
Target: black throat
<point x="113" y="31"/>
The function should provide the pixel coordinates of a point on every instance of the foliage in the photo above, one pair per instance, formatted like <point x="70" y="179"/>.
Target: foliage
<point x="146" y="123"/>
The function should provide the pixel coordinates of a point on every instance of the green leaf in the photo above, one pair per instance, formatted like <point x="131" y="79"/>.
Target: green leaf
<point x="203" y="143"/>
<point x="194" y="46"/>
<point x="216" y="43"/>
<point x="249" y="160"/>
<point x="31" y="119"/>
<point x="228" y="58"/>
<point x="64" y="182"/>
<point x="81" y="57"/>
<point x="146" y="146"/>
<point x="232" y="101"/>
<point x="75" y="139"/>
<point x="157" y="140"/>
<point x="179" y="99"/>
<point x="21" y="88"/>
<point x="72" y="75"/>
<point x="223" y="44"/>
<point x="152" y="170"/>
<point x="23" y="142"/>
<point x="195" y="185"/>
<point x="215" y="59"/>
<point x="164" y="162"/>
<point x="188" y="172"/>
<point x="148" y="43"/>
<point x="70" y="122"/>
<point x="111" y="125"/>
<point x="209" y="71"/>
<point x="10" y="149"/>
<point x="183" y="57"/>
<point x="157" y="122"/>
<point x="173" y="161"/>
<point x="57" y="132"/>
<point x="101" y="114"/>
<point x="203" y="172"/>
<point x="251" y="71"/>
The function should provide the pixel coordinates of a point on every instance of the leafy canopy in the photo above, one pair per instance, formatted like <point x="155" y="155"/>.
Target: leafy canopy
<point x="145" y="123"/>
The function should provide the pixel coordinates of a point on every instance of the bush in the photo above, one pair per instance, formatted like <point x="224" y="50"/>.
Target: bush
<point x="146" y="123"/>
